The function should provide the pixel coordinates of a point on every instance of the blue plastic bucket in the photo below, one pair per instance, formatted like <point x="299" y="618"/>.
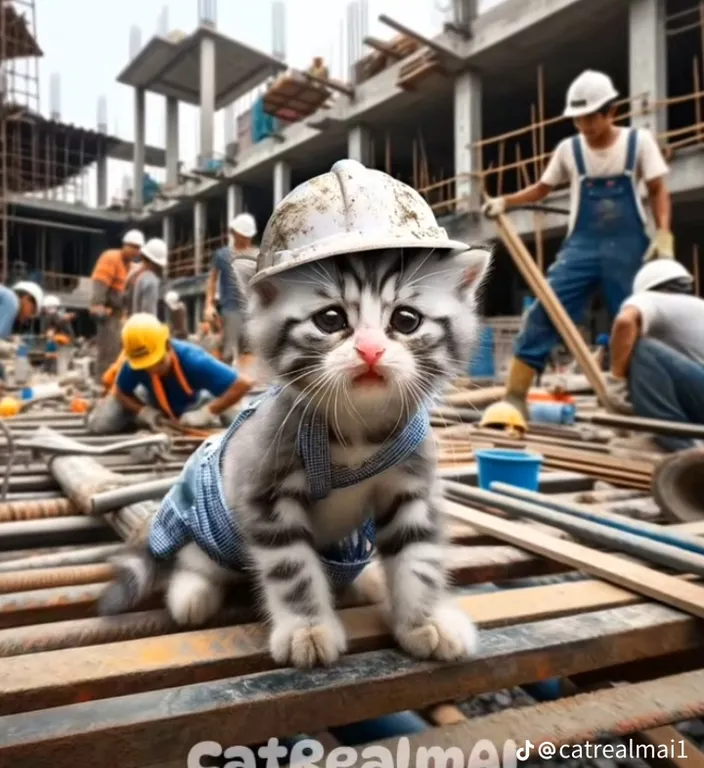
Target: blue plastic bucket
<point x="512" y="467"/>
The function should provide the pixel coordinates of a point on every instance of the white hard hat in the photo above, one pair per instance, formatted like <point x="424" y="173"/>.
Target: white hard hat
<point x="28" y="287"/>
<point x="51" y="303"/>
<point x="657" y="272"/>
<point x="156" y="251"/>
<point x="171" y="299"/>
<point x="351" y="209"/>
<point x="589" y="93"/>
<point x="133" y="237"/>
<point x="244" y="224"/>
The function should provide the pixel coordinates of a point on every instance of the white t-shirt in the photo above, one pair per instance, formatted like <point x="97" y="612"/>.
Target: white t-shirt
<point x="674" y="319"/>
<point x="611" y="161"/>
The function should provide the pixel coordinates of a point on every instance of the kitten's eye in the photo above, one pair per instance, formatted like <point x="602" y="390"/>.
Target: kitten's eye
<point x="406" y="320"/>
<point x="331" y="320"/>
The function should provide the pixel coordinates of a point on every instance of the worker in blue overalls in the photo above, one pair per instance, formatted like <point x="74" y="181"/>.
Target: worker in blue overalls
<point x="607" y="239"/>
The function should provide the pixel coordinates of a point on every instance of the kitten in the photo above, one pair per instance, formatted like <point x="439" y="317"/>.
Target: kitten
<point x="364" y="342"/>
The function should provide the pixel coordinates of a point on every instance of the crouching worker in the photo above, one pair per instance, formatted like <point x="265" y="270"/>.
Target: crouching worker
<point x="163" y="378"/>
<point x="657" y="351"/>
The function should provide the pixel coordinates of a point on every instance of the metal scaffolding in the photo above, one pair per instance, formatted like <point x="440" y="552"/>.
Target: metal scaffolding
<point x="19" y="99"/>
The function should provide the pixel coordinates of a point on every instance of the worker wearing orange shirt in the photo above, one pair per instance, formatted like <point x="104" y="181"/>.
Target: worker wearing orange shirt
<point x="109" y="279"/>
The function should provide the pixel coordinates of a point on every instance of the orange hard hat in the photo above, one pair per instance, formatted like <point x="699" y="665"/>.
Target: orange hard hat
<point x="9" y="406"/>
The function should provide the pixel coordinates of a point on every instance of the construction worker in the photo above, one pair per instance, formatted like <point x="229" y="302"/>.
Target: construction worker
<point x="57" y="323"/>
<point x="657" y="351"/>
<point x="318" y="68"/>
<point x="109" y="279"/>
<point x="164" y="378"/>
<point x="144" y="284"/>
<point x="178" y="315"/>
<point x="230" y="264"/>
<point x="18" y="305"/>
<point x="607" y="240"/>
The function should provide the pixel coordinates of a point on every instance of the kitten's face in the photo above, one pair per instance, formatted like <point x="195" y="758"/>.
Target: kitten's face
<point x="372" y="332"/>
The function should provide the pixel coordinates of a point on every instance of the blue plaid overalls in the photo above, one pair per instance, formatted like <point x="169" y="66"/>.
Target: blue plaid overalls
<point x="195" y="510"/>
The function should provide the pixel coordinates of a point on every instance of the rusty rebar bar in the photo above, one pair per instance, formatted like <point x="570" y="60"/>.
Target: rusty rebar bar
<point x="44" y="578"/>
<point x="60" y="557"/>
<point x="34" y="510"/>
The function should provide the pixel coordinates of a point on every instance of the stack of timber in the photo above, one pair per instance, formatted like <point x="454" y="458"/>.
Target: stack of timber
<point x="293" y="97"/>
<point x="386" y="54"/>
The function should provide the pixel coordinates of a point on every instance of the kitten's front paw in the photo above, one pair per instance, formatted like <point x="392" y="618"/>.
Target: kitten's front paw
<point x="305" y="644"/>
<point x="192" y="599"/>
<point x="448" y="635"/>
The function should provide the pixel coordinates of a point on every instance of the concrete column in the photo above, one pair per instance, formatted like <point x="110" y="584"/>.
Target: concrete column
<point x="468" y="129"/>
<point x="172" y="141"/>
<point x="235" y="202"/>
<point x="359" y="145"/>
<point x="102" y="182"/>
<point x="139" y="143"/>
<point x="199" y="234"/>
<point x="167" y="231"/>
<point x="282" y="181"/>
<point x="197" y="311"/>
<point x="648" y="61"/>
<point x="207" y="98"/>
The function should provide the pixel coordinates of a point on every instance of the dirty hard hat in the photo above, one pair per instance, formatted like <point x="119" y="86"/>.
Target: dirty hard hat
<point x="30" y="289"/>
<point x="658" y="272"/>
<point x="351" y="209"/>
<point x="503" y="414"/>
<point x="589" y="93"/>
<point x="133" y="237"/>
<point x="244" y="224"/>
<point x="144" y="341"/>
<point x="155" y="250"/>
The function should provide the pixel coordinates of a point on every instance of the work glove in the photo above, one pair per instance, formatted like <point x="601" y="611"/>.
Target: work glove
<point x="617" y="397"/>
<point x="210" y="313"/>
<point x="662" y="246"/>
<point x="149" y="417"/>
<point x="494" y="207"/>
<point x="200" y="418"/>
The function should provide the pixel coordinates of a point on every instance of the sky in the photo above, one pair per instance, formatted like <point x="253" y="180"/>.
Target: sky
<point x="89" y="46"/>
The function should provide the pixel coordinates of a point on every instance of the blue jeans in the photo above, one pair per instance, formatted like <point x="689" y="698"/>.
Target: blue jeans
<point x="585" y="264"/>
<point x="665" y="384"/>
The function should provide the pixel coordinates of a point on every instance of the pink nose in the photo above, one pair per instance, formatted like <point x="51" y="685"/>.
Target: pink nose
<point x="369" y="350"/>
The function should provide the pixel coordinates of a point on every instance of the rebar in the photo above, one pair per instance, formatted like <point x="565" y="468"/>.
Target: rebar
<point x="107" y="501"/>
<point x="637" y="424"/>
<point x="67" y="556"/>
<point x="34" y="510"/>
<point x="43" y="578"/>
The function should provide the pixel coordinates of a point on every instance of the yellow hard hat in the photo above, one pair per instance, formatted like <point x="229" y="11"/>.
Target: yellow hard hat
<point x="503" y="414"/>
<point x="144" y="341"/>
<point x="9" y="406"/>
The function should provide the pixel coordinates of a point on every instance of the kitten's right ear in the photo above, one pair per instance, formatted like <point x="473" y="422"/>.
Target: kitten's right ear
<point x="266" y="291"/>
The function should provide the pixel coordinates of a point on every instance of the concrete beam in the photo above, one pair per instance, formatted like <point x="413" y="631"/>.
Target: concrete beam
<point x="172" y="142"/>
<point x="648" y="60"/>
<point x="167" y="231"/>
<point x="359" y="145"/>
<point x="207" y="98"/>
<point x="468" y="129"/>
<point x="199" y="215"/>
<point x="139" y="144"/>
<point x="102" y="182"/>
<point x="282" y="181"/>
<point x="235" y="201"/>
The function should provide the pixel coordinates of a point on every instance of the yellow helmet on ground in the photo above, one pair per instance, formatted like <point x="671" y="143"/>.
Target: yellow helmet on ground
<point x="9" y="407"/>
<point x="144" y="341"/>
<point x="503" y="414"/>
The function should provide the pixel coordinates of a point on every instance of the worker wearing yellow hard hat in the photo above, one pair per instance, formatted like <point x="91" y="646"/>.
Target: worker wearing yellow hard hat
<point x="165" y="378"/>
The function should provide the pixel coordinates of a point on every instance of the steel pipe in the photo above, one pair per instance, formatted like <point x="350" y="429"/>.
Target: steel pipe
<point x="636" y="424"/>
<point x="107" y="501"/>
<point x="54" y="532"/>
<point x="636" y="545"/>
<point x="678" y="486"/>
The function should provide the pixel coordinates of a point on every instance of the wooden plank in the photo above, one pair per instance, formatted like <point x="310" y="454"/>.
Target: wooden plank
<point x="54" y="678"/>
<point x="158" y="726"/>
<point x="616" y="570"/>
<point x="587" y="717"/>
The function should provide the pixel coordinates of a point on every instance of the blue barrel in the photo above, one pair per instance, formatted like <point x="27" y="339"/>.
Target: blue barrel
<point x="482" y="366"/>
<point x="517" y="468"/>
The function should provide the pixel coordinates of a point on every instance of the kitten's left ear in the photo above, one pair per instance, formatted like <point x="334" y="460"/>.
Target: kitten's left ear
<point x="475" y="267"/>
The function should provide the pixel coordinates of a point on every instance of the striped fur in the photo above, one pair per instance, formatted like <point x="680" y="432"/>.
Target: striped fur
<point x="419" y="308"/>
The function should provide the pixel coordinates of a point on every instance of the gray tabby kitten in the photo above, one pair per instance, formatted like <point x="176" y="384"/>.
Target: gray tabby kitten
<point x="366" y="339"/>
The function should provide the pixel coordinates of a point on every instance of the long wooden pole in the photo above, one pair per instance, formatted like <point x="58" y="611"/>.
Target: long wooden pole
<point x="556" y="312"/>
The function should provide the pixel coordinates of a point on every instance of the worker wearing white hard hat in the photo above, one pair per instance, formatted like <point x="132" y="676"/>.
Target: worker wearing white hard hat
<point x="607" y="240"/>
<point x="232" y="267"/>
<point x="18" y="305"/>
<point x="109" y="281"/>
<point x="177" y="314"/>
<point x="657" y="351"/>
<point x="144" y="284"/>
<point x="56" y="323"/>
